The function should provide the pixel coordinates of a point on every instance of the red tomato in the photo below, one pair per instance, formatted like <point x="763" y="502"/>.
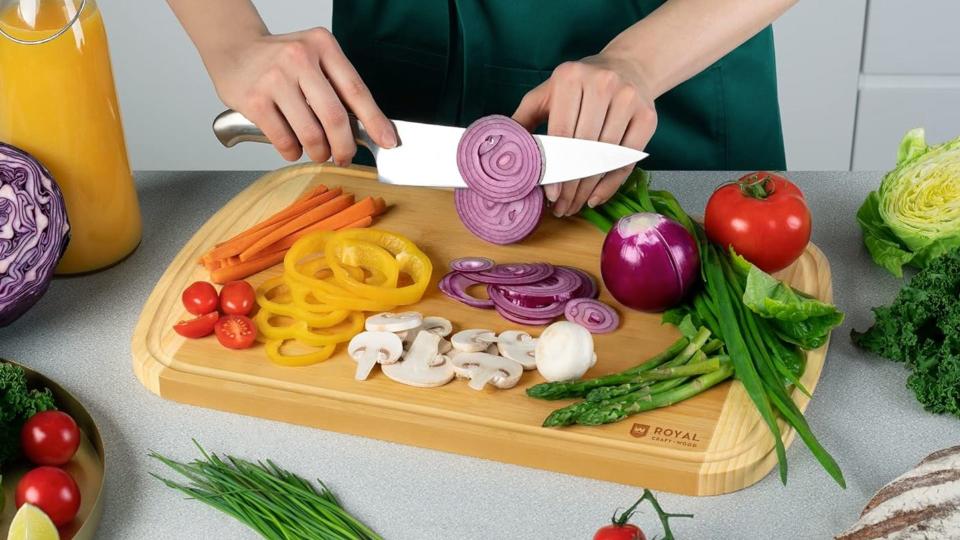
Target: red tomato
<point x="200" y="298"/>
<point x="52" y="490"/>
<point x="237" y="298"/>
<point x="50" y="438"/>
<point x="619" y="532"/>
<point x="200" y="327"/>
<point x="763" y="216"/>
<point x="236" y="331"/>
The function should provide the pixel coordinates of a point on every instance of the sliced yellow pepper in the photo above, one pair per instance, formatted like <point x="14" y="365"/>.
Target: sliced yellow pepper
<point x="274" y="296"/>
<point x="348" y="247"/>
<point x="301" y="331"/>
<point x="274" y="349"/>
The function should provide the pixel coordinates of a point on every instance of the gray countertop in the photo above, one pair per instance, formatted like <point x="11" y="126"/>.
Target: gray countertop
<point x="79" y="334"/>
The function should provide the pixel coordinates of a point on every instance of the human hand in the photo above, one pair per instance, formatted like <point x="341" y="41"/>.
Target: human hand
<point x="297" y="88"/>
<point x="600" y="98"/>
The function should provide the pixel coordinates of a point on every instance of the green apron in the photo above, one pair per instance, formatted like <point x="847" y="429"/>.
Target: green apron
<point x="453" y="61"/>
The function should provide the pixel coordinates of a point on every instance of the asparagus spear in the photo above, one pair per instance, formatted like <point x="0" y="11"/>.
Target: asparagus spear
<point x="607" y="413"/>
<point x="568" y="389"/>
<point x="668" y="377"/>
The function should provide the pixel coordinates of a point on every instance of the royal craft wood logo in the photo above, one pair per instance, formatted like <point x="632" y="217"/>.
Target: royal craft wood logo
<point x="677" y="437"/>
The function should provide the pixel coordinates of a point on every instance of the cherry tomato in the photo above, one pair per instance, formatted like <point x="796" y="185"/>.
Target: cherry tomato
<point x="763" y="216"/>
<point x="200" y="327"/>
<point x="237" y="298"/>
<point x="52" y="490"/>
<point x="50" y="438"/>
<point x="200" y="298"/>
<point x="613" y="531"/>
<point x="236" y="331"/>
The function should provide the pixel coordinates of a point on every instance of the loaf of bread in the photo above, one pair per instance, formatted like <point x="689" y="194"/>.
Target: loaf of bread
<point x="923" y="504"/>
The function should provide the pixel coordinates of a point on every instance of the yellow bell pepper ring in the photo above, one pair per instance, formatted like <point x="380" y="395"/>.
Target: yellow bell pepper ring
<point x="274" y="350"/>
<point x="301" y="331"/>
<point x="343" y="248"/>
<point x="275" y="297"/>
<point x="304" y="295"/>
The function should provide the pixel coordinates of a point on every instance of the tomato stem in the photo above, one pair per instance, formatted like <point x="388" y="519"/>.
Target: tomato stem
<point x="758" y="185"/>
<point x="664" y="516"/>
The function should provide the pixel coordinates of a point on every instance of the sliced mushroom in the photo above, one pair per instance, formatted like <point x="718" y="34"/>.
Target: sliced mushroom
<point x="445" y="346"/>
<point x="482" y="368"/>
<point x="436" y="325"/>
<point x="518" y="346"/>
<point x="422" y="365"/>
<point x="474" y="340"/>
<point x="492" y="349"/>
<point x="371" y="348"/>
<point x="394" y="322"/>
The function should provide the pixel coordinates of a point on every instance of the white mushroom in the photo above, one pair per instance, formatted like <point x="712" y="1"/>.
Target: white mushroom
<point x="436" y="325"/>
<point x="422" y="365"/>
<point x="518" y="346"/>
<point x="371" y="348"/>
<point x="482" y="368"/>
<point x="474" y="340"/>
<point x="394" y="322"/>
<point x="564" y="352"/>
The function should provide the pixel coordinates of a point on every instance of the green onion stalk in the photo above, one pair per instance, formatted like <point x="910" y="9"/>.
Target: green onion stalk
<point x="277" y="504"/>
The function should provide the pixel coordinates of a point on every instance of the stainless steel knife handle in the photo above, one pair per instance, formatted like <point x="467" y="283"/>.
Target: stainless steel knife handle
<point x="231" y="128"/>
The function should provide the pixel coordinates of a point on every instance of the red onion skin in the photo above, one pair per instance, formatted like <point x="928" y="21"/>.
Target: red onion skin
<point x="649" y="262"/>
<point x="455" y="285"/>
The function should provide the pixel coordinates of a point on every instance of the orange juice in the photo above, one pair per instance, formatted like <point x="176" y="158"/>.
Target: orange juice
<point x="58" y="102"/>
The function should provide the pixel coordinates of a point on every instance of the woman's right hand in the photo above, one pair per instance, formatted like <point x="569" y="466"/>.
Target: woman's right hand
<point x="297" y="88"/>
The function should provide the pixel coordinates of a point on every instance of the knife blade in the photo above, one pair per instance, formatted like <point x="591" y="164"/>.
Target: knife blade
<point x="427" y="153"/>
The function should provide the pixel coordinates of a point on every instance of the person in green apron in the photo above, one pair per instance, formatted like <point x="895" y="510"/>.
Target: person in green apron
<point x="692" y="82"/>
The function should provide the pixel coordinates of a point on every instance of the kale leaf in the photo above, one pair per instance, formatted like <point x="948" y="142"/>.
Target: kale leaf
<point x="921" y="328"/>
<point x="17" y="404"/>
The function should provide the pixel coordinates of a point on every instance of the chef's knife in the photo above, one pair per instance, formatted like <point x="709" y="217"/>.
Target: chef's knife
<point x="427" y="153"/>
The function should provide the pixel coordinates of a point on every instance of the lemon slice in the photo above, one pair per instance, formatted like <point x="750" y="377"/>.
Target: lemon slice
<point x="31" y="523"/>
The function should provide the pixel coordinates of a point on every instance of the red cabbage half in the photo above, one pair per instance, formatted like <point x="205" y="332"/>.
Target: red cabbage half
<point x="34" y="231"/>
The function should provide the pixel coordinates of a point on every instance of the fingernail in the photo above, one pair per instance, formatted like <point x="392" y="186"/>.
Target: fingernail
<point x="553" y="192"/>
<point x="390" y="139"/>
<point x="560" y="209"/>
<point x="593" y="201"/>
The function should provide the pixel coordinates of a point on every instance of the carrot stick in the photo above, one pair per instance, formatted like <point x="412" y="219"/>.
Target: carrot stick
<point x="245" y="269"/>
<point x="310" y="193"/>
<point x="361" y="223"/>
<point x="321" y="212"/>
<point x="381" y="206"/>
<point x="244" y="240"/>
<point x="287" y="242"/>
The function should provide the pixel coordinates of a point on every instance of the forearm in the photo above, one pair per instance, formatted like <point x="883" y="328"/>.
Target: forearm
<point x="216" y="26"/>
<point x="683" y="37"/>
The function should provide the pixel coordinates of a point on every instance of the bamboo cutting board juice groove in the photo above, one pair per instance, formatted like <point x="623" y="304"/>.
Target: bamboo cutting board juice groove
<point x="713" y="443"/>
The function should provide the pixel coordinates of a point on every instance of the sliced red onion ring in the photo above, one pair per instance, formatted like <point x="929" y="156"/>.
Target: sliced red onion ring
<point x="499" y="159"/>
<point x="548" y="311"/>
<point x="471" y="264"/>
<point x="515" y="273"/>
<point x="594" y="315"/>
<point x="589" y="288"/>
<point x="497" y="222"/>
<point x="532" y="301"/>
<point x="455" y="286"/>
<point x="563" y="282"/>
<point x="512" y="317"/>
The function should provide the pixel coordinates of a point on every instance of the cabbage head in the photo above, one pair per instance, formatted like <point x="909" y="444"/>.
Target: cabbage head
<point x="915" y="215"/>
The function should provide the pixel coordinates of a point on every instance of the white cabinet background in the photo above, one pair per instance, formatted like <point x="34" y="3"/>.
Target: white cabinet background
<point x="854" y="75"/>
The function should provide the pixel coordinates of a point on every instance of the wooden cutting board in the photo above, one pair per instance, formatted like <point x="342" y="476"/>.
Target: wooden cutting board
<point x="710" y="444"/>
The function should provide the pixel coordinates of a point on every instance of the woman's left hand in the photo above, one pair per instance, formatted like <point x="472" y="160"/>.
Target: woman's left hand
<point x="600" y="98"/>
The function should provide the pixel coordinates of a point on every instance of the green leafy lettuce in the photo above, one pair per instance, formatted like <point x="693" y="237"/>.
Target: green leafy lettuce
<point x="795" y="317"/>
<point x="921" y="328"/>
<point x="915" y="215"/>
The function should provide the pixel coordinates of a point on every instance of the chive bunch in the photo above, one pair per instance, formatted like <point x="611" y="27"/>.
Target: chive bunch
<point x="272" y="501"/>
